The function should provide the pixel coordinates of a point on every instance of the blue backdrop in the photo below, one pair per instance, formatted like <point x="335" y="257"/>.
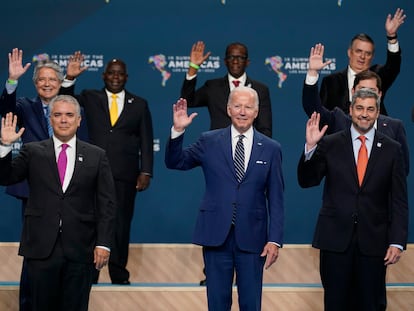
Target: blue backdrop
<point x="154" y="38"/>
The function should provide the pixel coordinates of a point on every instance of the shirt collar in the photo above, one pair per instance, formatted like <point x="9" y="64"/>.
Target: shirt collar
<point x="369" y="135"/>
<point x="242" y="78"/>
<point x="58" y="143"/>
<point x="235" y="134"/>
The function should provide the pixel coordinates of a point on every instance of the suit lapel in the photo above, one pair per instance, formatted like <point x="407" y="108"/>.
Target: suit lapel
<point x="227" y="152"/>
<point x="257" y="149"/>
<point x="50" y="157"/>
<point x="104" y="105"/>
<point x="79" y="159"/>
<point x="39" y="114"/>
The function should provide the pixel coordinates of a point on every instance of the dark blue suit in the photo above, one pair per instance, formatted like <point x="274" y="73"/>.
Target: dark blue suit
<point x="337" y="120"/>
<point x="258" y="200"/>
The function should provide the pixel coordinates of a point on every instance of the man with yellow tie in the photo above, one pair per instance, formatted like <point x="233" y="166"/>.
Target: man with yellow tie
<point x="120" y="123"/>
<point x="363" y="222"/>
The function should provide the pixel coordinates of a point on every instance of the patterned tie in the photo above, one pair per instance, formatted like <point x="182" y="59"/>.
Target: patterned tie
<point x="113" y="110"/>
<point x="62" y="162"/>
<point x="46" y="111"/>
<point x="239" y="158"/>
<point x="236" y="83"/>
<point x="362" y="159"/>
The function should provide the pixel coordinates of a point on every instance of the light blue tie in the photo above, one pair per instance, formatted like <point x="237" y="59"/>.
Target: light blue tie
<point x="47" y="116"/>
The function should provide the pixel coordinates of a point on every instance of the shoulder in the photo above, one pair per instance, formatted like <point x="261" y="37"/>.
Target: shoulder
<point x="85" y="146"/>
<point x="260" y="138"/>
<point x="257" y="85"/>
<point x="215" y="82"/>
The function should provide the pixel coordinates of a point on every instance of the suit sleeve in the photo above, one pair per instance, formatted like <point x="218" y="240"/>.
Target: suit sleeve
<point x="263" y="122"/>
<point x="105" y="204"/>
<point x="311" y="172"/>
<point x="147" y="141"/>
<point x="194" y="98"/>
<point x="7" y="102"/>
<point x="401" y="137"/>
<point x="311" y="102"/>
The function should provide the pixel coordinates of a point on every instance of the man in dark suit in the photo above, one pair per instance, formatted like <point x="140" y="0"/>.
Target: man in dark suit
<point x="240" y="221"/>
<point x="127" y="137"/>
<point x="336" y="88"/>
<point x="69" y="218"/>
<point x="214" y="93"/>
<point x="337" y="119"/>
<point x="32" y="114"/>
<point x="363" y="223"/>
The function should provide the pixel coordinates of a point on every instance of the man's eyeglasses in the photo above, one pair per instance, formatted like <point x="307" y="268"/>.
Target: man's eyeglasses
<point x="240" y="58"/>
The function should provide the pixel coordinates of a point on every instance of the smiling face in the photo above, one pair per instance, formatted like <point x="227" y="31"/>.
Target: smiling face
<point x="115" y="76"/>
<point x="242" y="108"/>
<point x="65" y="119"/>
<point x="47" y="84"/>
<point x="364" y="112"/>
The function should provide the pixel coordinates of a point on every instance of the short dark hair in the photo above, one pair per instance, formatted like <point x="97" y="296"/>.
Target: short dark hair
<point x="363" y="37"/>
<point x="367" y="75"/>
<point x="237" y="44"/>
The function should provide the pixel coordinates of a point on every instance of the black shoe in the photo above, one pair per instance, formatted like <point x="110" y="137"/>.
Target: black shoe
<point x="203" y="282"/>
<point x="124" y="282"/>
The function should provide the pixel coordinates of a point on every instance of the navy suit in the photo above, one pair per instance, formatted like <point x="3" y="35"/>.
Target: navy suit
<point x="356" y="221"/>
<point x="335" y="89"/>
<point x="338" y="120"/>
<point x="214" y="95"/>
<point x="257" y="200"/>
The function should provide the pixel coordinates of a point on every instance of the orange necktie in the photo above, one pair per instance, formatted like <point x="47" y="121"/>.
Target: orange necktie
<point x="362" y="159"/>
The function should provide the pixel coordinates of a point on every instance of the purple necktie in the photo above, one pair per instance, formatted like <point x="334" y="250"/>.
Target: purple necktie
<point x="62" y="162"/>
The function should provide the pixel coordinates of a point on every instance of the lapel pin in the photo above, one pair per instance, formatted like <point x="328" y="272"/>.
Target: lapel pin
<point x="379" y="145"/>
<point x="130" y="100"/>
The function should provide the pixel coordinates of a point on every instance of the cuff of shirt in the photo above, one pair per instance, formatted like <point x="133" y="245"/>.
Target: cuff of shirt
<point x="10" y="88"/>
<point x="393" y="47"/>
<point x="398" y="246"/>
<point x="311" y="80"/>
<point x="104" y="247"/>
<point x="68" y="83"/>
<point x="175" y="134"/>
<point x="188" y="77"/>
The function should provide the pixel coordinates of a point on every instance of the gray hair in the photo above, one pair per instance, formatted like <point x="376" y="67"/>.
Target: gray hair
<point x="366" y="93"/>
<point x="51" y="65"/>
<point x="244" y="89"/>
<point x="67" y="99"/>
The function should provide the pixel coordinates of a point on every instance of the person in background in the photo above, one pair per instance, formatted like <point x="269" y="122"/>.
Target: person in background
<point x="336" y="88"/>
<point x="337" y="119"/>
<point x="120" y="123"/>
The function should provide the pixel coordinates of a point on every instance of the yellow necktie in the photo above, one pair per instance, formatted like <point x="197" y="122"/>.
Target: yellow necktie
<point x="113" y="110"/>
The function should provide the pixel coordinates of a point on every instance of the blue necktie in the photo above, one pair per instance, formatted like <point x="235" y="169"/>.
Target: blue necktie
<point x="46" y="111"/>
<point x="239" y="166"/>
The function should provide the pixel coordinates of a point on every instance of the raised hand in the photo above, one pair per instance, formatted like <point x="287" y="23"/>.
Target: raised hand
<point x="197" y="55"/>
<point x="313" y="133"/>
<point x="392" y="23"/>
<point x="316" y="58"/>
<point x="74" y="68"/>
<point x="180" y="115"/>
<point x="8" y="129"/>
<point x="16" y="68"/>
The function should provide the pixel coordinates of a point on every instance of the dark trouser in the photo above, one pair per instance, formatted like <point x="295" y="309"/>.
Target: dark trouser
<point x="352" y="281"/>
<point x="57" y="283"/>
<point x="125" y="199"/>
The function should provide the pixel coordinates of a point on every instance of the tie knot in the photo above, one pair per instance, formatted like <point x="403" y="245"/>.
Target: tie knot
<point x="236" y="83"/>
<point x="362" y="138"/>
<point x="64" y="147"/>
<point x="114" y="96"/>
<point x="241" y="136"/>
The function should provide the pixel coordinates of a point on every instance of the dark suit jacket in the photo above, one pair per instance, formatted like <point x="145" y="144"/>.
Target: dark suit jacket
<point x="86" y="209"/>
<point x="30" y="115"/>
<point x="337" y="120"/>
<point x="380" y="205"/>
<point x="334" y="89"/>
<point x="129" y="143"/>
<point x="214" y="95"/>
<point x="258" y="199"/>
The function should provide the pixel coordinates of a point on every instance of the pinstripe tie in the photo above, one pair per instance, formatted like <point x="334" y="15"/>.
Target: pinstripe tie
<point x="239" y="159"/>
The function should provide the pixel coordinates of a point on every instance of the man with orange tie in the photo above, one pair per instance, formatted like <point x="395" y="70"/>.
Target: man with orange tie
<point x="363" y="223"/>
